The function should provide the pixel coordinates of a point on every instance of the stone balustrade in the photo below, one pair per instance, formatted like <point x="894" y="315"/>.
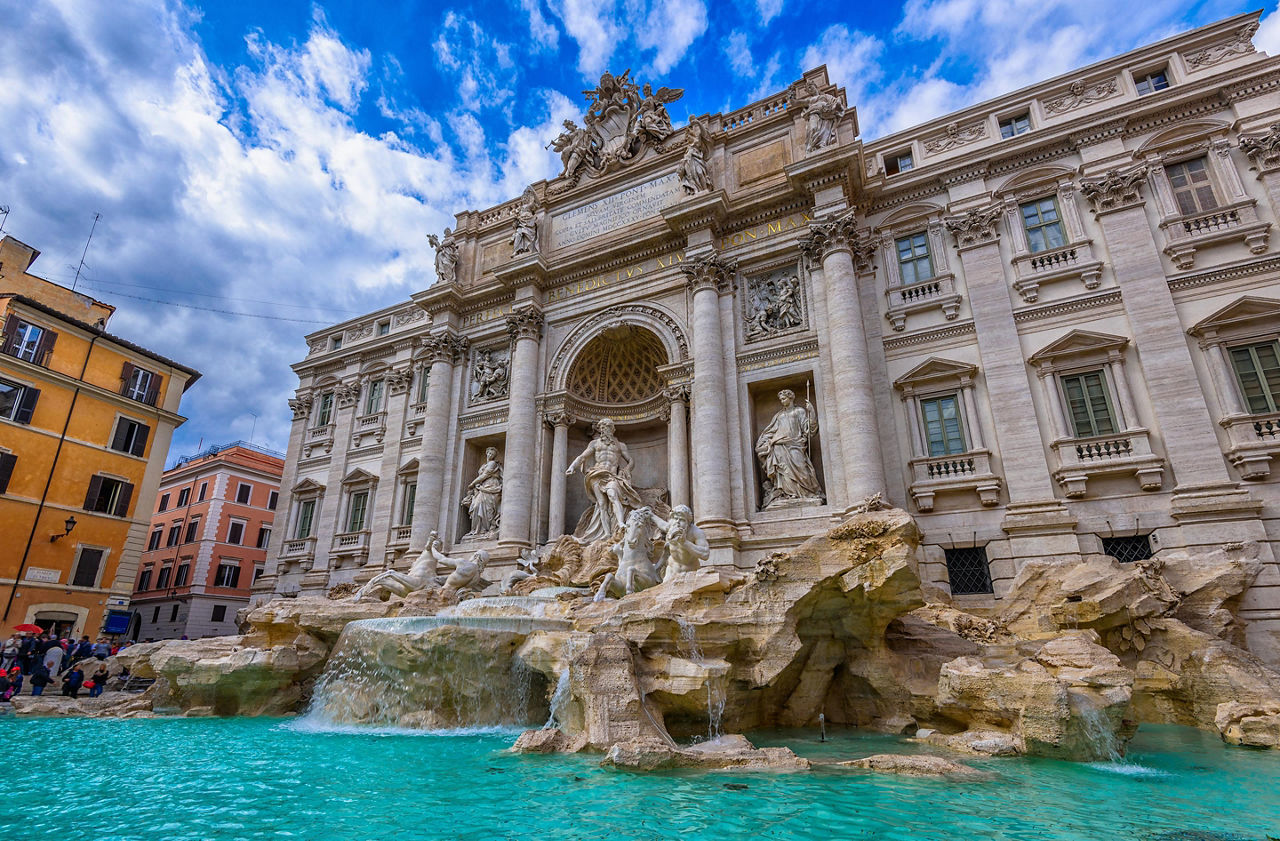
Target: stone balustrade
<point x="1070" y="262"/>
<point x="1127" y="452"/>
<point x="1239" y="221"/>
<point x="1254" y="440"/>
<point x="969" y="471"/>
<point x="935" y="293"/>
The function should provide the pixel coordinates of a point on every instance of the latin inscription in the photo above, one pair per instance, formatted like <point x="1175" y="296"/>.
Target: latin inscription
<point x="768" y="229"/>
<point x="577" y="287"/>
<point x="782" y="360"/>
<point x="617" y="211"/>
<point x="473" y="318"/>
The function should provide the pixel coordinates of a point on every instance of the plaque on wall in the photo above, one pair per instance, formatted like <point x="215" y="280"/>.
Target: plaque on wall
<point x="635" y="204"/>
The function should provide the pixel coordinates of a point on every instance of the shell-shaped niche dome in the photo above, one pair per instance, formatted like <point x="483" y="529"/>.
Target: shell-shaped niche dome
<point x="619" y="366"/>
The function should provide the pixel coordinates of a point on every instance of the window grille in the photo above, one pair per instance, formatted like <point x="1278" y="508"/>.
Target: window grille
<point x="1126" y="550"/>
<point x="968" y="571"/>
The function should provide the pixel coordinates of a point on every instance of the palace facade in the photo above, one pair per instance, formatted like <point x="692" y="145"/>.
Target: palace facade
<point x="1048" y="325"/>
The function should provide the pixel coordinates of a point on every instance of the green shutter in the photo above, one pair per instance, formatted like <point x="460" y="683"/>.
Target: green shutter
<point x="943" y="431"/>
<point x="1258" y="372"/>
<point x="1088" y="404"/>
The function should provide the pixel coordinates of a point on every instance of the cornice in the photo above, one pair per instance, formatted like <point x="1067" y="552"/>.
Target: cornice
<point x="1070" y="305"/>
<point x="1224" y="273"/>
<point x="926" y="336"/>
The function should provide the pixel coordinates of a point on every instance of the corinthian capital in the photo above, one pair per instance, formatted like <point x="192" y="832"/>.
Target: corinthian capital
<point x="838" y="234"/>
<point x="1263" y="150"/>
<point x="446" y="347"/>
<point x="710" y="272"/>
<point x="525" y="323"/>
<point x="976" y="227"/>
<point x="1115" y="190"/>
<point x="301" y="405"/>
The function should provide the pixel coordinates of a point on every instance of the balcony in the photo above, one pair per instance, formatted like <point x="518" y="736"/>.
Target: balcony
<point x="413" y="420"/>
<point x="1129" y="452"/>
<point x="369" y="429"/>
<point x="399" y="537"/>
<point x="1254" y="440"/>
<point x="964" y="472"/>
<point x="318" y="437"/>
<point x="350" y="546"/>
<point x="1070" y="262"/>
<point x="1239" y="221"/>
<point x="935" y="293"/>
<point x="301" y="551"/>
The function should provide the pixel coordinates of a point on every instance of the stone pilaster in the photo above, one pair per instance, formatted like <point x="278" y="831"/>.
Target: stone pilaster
<point x="444" y="350"/>
<point x="560" y="423"/>
<point x="516" y="527"/>
<point x="678" y="445"/>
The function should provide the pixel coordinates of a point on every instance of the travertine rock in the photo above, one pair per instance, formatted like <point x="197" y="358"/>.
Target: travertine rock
<point x="1254" y="725"/>
<point x="918" y="765"/>
<point x="728" y="752"/>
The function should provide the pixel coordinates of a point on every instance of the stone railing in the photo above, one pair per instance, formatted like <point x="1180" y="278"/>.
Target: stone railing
<point x="349" y="546"/>
<point x="368" y="427"/>
<point x="400" y="536"/>
<point x="969" y="472"/>
<point x="301" y="551"/>
<point x="755" y="113"/>
<point x="318" y="438"/>
<point x="1129" y="452"/>
<point x="1254" y="440"/>
<point x="1031" y="271"/>
<point x="1235" y="222"/>
<point x="935" y="293"/>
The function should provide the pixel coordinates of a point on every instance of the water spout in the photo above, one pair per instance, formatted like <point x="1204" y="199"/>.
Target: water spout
<point x="822" y="727"/>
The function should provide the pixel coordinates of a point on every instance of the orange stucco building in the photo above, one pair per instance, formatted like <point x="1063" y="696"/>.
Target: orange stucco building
<point x="85" y="424"/>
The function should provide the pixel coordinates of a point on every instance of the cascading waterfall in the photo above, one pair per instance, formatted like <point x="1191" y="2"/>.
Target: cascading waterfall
<point x="1100" y="733"/>
<point x="715" y="683"/>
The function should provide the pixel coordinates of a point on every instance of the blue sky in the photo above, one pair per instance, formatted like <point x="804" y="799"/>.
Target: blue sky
<point x="265" y="168"/>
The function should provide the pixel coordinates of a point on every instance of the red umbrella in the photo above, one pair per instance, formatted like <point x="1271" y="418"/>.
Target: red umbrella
<point x="29" y="628"/>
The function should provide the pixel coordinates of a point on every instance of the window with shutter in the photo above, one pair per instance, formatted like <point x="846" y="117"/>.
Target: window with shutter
<point x="156" y="536"/>
<point x="192" y="528"/>
<point x="144" y="580"/>
<point x="1088" y="404"/>
<point x="7" y="461"/>
<point x="130" y="437"/>
<point x="26" y="343"/>
<point x="17" y="401"/>
<point x="87" y="566"/>
<point x="95" y="491"/>
<point x="45" y="349"/>
<point x="181" y="576"/>
<point x="165" y="574"/>
<point x="243" y="493"/>
<point x="1258" y="373"/>
<point x="942" y="430"/>
<point x="125" y="494"/>
<point x="913" y="258"/>
<point x="306" y="511"/>
<point x="1192" y="188"/>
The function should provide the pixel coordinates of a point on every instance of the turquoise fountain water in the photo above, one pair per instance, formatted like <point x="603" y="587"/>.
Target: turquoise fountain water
<point x="216" y="780"/>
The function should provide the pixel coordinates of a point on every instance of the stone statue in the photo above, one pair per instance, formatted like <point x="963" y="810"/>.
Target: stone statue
<point x="526" y="568"/>
<point x="484" y="496"/>
<point x="783" y="448"/>
<point x="652" y="118"/>
<point x="421" y="576"/>
<point x="636" y="570"/>
<point x="687" y="546"/>
<point x="575" y="146"/>
<point x="525" y="239"/>
<point x="446" y="256"/>
<point x="608" y="483"/>
<point x="775" y="306"/>
<point x="492" y="377"/>
<point x="823" y="111"/>
<point x="693" y="173"/>
<point x="464" y="575"/>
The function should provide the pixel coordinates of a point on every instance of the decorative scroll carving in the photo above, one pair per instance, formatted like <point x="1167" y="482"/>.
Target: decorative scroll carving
<point x="711" y="271"/>
<point x="677" y="392"/>
<point x="409" y="316"/>
<point x="838" y="234"/>
<point x="1115" y="189"/>
<point x="1263" y="150"/>
<point x="525" y="324"/>
<point x="347" y="393"/>
<point x="559" y="417"/>
<point x="621" y="122"/>
<point x="446" y="256"/>
<point x="1241" y="43"/>
<point x="976" y="227"/>
<point x="774" y="304"/>
<point x="956" y="136"/>
<point x="399" y="379"/>
<point x="301" y="405"/>
<point x="360" y="331"/>
<point x="1081" y="93"/>
<point x="490" y="375"/>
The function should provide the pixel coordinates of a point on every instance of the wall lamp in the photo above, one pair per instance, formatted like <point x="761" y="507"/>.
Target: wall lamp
<point x="68" y="525"/>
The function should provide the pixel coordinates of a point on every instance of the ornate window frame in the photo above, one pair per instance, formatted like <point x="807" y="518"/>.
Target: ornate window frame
<point x="354" y="545"/>
<point x="400" y="531"/>
<point x="938" y="292"/>
<point x="302" y="550"/>
<point x="1075" y="260"/>
<point x="371" y="424"/>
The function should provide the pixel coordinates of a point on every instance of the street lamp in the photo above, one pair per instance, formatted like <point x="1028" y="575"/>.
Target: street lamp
<point x="68" y="525"/>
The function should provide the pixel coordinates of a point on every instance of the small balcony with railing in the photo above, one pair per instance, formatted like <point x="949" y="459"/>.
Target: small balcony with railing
<point x="938" y="292"/>
<point x="1074" y="261"/>
<point x="963" y="472"/>
<point x="351" y="547"/>
<point x="319" y="440"/>
<point x="300" y="552"/>
<point x="1129" y="452"/>
<point x="1254" y="441"/>
<point x="369" y="430"/>
<point x="1230" y="223"/>
<point x="414" y="419"/>
<point x="399" y="536"/>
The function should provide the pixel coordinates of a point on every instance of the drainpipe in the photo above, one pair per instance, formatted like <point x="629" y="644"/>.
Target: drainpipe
<point x="13" y="591"/>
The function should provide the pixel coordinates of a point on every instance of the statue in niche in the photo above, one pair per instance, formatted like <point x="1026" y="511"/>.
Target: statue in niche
<point x="783" y="449"/>
<point x="822" y="111"/>
<point x="484" y="496"/>
<point x="636" y="570"/>
<point x="576" y="147"/>
<point x="525" y="239"/>
<point x="446" y="256"/>
<point x="775" y="306"/>
<point x="608" y="483"/>
<point x="687" y="546"/>
<point x="693" y="173"/>
<point x="652" y="118"/>
<point x="492" y="376"/>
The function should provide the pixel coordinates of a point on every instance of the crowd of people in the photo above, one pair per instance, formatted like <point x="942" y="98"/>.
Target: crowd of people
<point x="39" y="661"/>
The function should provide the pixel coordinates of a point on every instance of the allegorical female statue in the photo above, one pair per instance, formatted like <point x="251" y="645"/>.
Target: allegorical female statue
<point x="783" y="448"/>
<point x="525" y="238"/>
<point x="484" y="496"/>
<point x="446" y="256"/>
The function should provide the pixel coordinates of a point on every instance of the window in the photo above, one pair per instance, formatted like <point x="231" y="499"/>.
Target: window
<point x="243" y="493"/>
<point x="1258" y="372"/>
<point x="359" y="502"/>
<point x="184" y="496"/>
<point x="373" y="400"/>
<point x="130" y="437"/>
<point x="324" y="412"/>
<point x="422" y="385"/>
<point x="175" y="534"/>
<point x="257" y="573"/>
<point x="219" y="613"/>
<point x="173" y="614"/>
<point x="27" y="341"/>
<point x="1192" y="189"/>
<point x="192" y="527"/>
<point x="1151" y="81"/>
<point x="166" y="575"/>
<point x="156" y="536"/>
<point x="228" y="574"/>
<point x="140" y="384"/>
<point x="144" y="580"/>
<point x="914" y="259"/>
<point x="155" y="615"/>
<point x="1043" y="224"/>
<point x="181" y="576"/>
<point x="264" y="537"/>
<point x="87" y="567"/>
<point x="384" y="327"/>
<point x="942" y="430"/>
<point x="1088" y="404"/>
<point x="306" y="511"/>
<point x="17" y="402"/>
<point x="335" y="342"/>
<point x="273" y="499"/>
<point x="7" y="463"/>
<point x="899" y="162"/>
<point x="968" y="571"/>
<point x="235" y="532"/>
<point x="406" y="506"/>
<point x="204" y="490"/>
<point x="164" y="503"/>
<point x="1012" y="126"/>
<point x="108" y="496"/>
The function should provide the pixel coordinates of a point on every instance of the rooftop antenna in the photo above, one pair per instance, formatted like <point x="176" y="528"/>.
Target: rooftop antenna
<point x="254" y="428"/>
<point x="96" y="217"/>
<point x="4" y="211"/>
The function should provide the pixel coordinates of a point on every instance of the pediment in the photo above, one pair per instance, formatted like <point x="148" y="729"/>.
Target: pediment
<point x="1078" y="342"/>
<point x="933" y="369"/>
<point x="912" y="213"/>
<point x="1037" y="177"/>
<point x="359" y="476"/>
<point x="1242" y="312"/>
<point x="410" y="466"/>
<point x="307" y="486"/>
<point x="1185" y="132"/>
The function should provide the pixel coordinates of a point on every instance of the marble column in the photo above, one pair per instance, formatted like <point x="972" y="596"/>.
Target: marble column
<point x="678" y="445"/>
<point x="707" y="278"/>
<point x="516" y="528"/>
<point x="444" y="350"/>
<point x="834" y="242"/>
<point x="560" y="423"/>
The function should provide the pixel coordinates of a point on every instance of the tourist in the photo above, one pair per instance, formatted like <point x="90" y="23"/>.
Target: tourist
<point x="40" y="679"/>
<point x="26" y="653"/>
<point x="102" y="648"/>
<point x="72" y="681"/>
<point x="6" y="690"/>
<point x="9" y="653"/>
<point x="97" y="681"/>
<point x="84" y="650"/>
<point x="53" y="658"/>
<point x="15" y="682"/>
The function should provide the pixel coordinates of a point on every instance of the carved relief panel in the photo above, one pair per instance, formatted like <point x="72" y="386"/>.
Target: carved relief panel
<point x="489" y="379"/>
<point x="775" y="304"/>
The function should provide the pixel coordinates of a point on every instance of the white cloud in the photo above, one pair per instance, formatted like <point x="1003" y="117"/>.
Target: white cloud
<point x="738" y="51"/>
<point x="482" y="64"/>
<point x="545" y="35"/>
<point x="1268" y="37"/>
<point x="768" y="9"/>
<point x="851" y="57"/>
<point x="668" y="28"/>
